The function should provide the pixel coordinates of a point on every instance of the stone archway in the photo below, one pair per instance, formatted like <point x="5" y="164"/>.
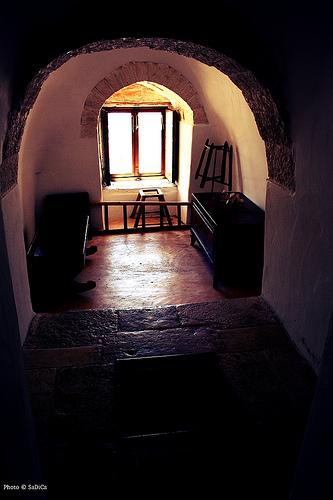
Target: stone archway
<point x="135" y="72"/>
<point x="280" y="160"/>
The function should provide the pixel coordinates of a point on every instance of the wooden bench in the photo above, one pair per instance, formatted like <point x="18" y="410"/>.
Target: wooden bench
<point x="57" y="253"/>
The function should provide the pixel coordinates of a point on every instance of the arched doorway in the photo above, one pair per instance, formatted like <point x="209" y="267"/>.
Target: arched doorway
<point x="64" y="90"/>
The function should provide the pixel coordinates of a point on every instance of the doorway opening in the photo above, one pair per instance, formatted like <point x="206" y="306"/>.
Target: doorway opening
<point x="72" y="164"/>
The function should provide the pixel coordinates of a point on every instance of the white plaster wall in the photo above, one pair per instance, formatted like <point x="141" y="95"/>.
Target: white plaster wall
<point x="187" y="137"/>
<point x="200" y="134"/>
<point x="298" y="277"/>
<point x="54" y="157"/>
<point x="15" y="305"/>
<point x="231" y="119"/>
<point x="13" y="226"/>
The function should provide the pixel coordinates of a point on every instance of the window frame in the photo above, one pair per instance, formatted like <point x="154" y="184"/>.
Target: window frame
<point x="104" y="141"/>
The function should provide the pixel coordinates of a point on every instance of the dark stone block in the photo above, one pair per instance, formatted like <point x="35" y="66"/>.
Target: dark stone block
<point x="232" y="313"/>
<point x="41" y="381"/>
<point x="261" y="394"/>
<point x="61" y="357"/>
<point x="42" y="405"/>
<point x="296" y="375"/>
<point x="84" y="396"/>
<point x="256" y="338"/>
<point x="73" y="328"/>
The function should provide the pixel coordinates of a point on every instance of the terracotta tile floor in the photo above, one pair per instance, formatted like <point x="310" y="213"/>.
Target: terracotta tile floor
<point x="144" y="270"/>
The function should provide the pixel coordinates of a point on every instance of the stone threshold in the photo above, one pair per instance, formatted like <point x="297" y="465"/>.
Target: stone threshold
<point x="92" y="327"/>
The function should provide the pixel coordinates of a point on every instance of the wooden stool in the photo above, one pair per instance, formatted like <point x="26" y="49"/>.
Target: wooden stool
<point x="143" y="195"/>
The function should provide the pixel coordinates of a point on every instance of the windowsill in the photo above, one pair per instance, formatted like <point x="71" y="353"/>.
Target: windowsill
<point x="139" y="184"/>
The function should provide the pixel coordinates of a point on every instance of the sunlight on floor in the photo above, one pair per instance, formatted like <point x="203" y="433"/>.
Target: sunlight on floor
<point x="145" y="270"/>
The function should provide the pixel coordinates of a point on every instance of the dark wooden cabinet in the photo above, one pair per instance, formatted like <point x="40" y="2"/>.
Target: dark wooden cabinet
<point x="229" y="228"/>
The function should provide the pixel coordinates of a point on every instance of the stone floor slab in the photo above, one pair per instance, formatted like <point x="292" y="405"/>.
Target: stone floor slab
<point x="232" y="313"/>
<point x="61" y="357"/>
<point x="84" y="397"/>
<point x="255" y="338"/>
<point x="148" y="319"/>
<point x="41" y="381"/>
<point x="295" y="374"/>
<point x="261" y="393"/>
<point x="261" y="387"/>
<point x="72" y="328"/>
<point x="163" y="342"/>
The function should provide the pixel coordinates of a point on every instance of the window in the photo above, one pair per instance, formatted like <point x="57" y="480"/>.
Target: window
<point x="138" y="142"/>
